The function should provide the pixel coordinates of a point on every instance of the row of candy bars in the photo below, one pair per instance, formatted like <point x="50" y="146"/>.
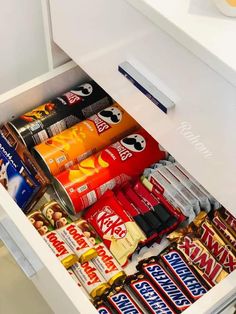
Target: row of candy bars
<point x="179" y="188"/>
<point x="198" y="258"/>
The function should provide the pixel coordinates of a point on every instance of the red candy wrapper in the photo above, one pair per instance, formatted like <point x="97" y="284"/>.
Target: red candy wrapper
<point x="119" y="232"/>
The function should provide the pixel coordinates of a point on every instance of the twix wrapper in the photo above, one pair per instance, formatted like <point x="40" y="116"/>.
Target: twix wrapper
<point x="119" y="232"/>
<point x="215" y="244"/>
<point x="201" y="259"/>
<point x="225" y="231"/>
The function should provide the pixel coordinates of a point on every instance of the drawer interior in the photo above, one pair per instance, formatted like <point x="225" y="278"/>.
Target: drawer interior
<point x="49" y="270"/>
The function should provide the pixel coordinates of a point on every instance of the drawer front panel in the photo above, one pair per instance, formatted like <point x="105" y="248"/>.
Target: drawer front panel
<point x="200" y="130"/>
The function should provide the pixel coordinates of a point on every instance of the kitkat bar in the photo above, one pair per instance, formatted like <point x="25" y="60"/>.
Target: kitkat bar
<point x="83" y="184"/>
<point x="178" y="217"/>
<point x="160" y="207"/>
<point x="145" y="292"/>
<point x="135" y="214"/>
<point x="199" y="256"/>
<point x="214" y="242"/>
<point x="118" y="230"/>
<point x="146" y="211"/>
<point x="193" y="285"/>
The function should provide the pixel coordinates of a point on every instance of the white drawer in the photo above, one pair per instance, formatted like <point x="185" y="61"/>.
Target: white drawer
<point x="200" y="131"/>
<point x="23" y="241"/>
<point x="27" y="246"/>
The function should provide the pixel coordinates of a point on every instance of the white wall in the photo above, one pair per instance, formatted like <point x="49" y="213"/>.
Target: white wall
<point x="22" y="44"/>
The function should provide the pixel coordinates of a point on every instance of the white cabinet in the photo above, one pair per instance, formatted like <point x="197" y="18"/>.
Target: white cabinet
<point x="199" y="131"/>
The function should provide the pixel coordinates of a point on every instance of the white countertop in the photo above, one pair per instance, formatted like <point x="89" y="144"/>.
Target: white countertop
<point x="198" y="25"/>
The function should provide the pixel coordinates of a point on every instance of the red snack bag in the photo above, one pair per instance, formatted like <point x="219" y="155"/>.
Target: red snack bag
<point x="118" y="230"/>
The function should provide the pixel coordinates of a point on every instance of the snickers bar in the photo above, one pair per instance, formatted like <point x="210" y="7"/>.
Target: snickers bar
<point x="179" y="267"/>
<point x="124" y="303"/>
<point x="166" y="285"/>
<point x="148" y="295"/>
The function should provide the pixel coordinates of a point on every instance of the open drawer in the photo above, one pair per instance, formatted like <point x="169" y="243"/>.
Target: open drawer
<point x="200" y="131"/>
<point x="26" y="245"/>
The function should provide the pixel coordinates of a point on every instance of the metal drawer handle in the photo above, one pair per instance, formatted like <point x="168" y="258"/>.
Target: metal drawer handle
<point x="139" y="80"/>
<point x="19" y="248"/>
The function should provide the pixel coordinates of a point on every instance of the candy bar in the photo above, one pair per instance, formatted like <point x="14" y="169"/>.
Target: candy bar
<point x="161" y="209"/>
<point x="90" y="278"/>
<point x="135" y="214"/>
<point x="224" y="231"/>
<point x="146" y="292"/>
<point x="123" y="303"/>
<point x="212" y="200"/>
<point x="181" y="270"/>
<point x="147" y="212"/>
<point x="169" y="191"/>
<point x="88" y="231"/>
<point x="55" y="214"/>
<point x="165" y="285"/>
<point x="215" y="244"/>
<point x="62" y="251"/>
<point x="41" y="224"/>
<point x="229" y="219"/>
<point x="174" y="212"/>
<point x="202" y="260"/>
<point x="191" y="186"/>
<point x="76" y="280"/>
<point x="103" y="306"/>
<point x="108" y="266"/>
<point x="29" y="162"/>
<point x="180" y="187"/>
<point x="78" y="243"/>
<point x="119" y="232"/>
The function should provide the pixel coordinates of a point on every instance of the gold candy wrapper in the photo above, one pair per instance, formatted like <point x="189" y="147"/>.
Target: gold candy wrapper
<point x="214" y="242"/>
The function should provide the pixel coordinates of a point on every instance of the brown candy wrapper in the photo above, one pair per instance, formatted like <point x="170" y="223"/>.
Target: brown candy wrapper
<point x="225" y="231"/>
<point x="228" y="217"/>
<point x="88" y="231"/>
<point x="214" y="242"/>
<point x="197" y="254"/>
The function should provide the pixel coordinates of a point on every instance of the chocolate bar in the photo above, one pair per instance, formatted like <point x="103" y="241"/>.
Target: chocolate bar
<point x="146" y="292"/>
<point x="165" y="285"/>
<point x="185" y="275"/>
